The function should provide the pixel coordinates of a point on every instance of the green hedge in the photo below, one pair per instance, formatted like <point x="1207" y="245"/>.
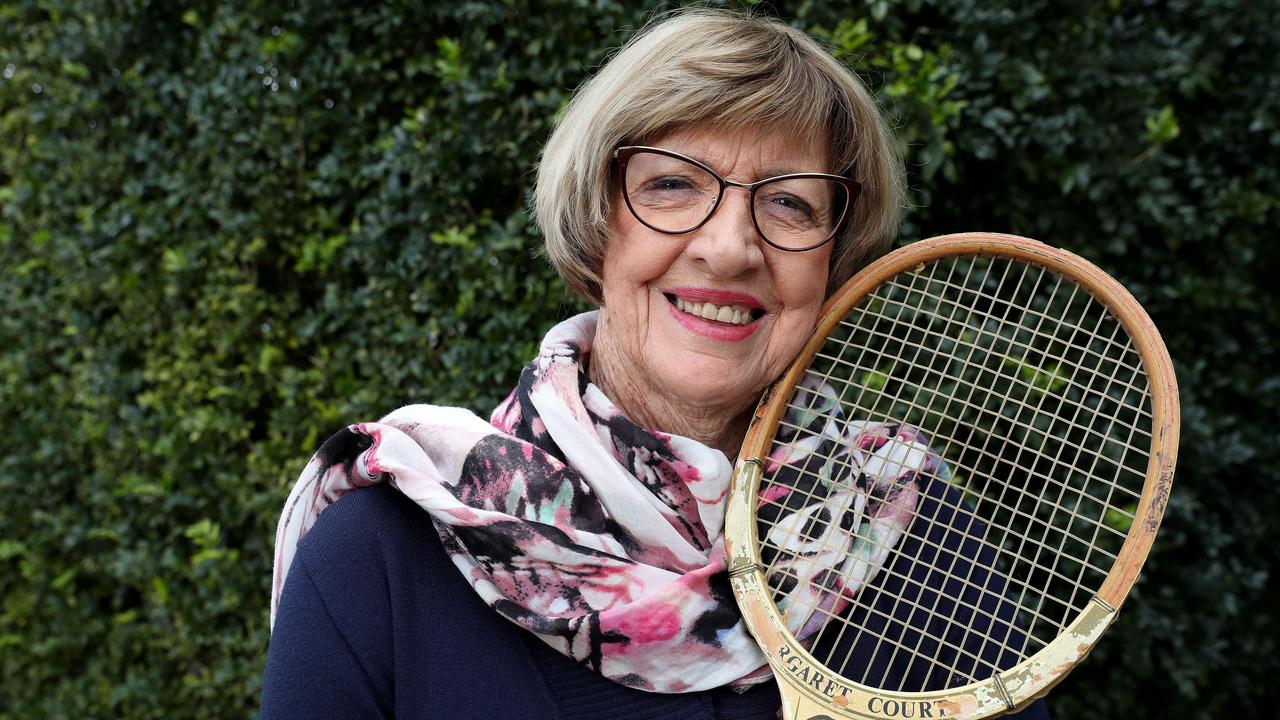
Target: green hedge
<point x="228" y="229"/>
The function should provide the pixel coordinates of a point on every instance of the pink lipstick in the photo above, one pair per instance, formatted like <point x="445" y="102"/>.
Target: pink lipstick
<point x="718" y="314"/>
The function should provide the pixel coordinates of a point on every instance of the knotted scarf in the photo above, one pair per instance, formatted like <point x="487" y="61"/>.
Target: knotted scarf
<point x="604" y="538"/>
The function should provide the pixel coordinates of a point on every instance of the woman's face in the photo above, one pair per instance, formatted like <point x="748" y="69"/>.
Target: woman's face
<point x="657" y="286"/>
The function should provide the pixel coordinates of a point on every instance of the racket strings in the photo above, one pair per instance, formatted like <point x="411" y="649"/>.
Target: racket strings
<point x="1017" y="424"/>
<point x="955" y="649"/>
<point x="1093" y="545"/>
<point x="1016" y="555"/>
<point x="939" y="336"/>
<point x="984" y="450"/>
<point x="973" y="659"/>
<point x="960" y="349"/>
<point x="1069" y="382"/>
<point x="1025" y="426"/>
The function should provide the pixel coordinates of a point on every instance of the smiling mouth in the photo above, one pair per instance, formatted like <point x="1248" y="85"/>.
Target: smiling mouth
<point x="726" y="314"/>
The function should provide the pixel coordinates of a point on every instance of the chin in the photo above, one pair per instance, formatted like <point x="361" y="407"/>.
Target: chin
<point x="717" y="383"/>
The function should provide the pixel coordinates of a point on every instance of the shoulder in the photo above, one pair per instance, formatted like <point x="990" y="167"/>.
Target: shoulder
<point x="364" y="521"/>
<point x="362" y="549"/>
<point x="376" y="554"/>
<point x="373" y="555"/>
<point x="382" y="575"/>
<point x="364" y="541"/>
<point x="334" y="637"/>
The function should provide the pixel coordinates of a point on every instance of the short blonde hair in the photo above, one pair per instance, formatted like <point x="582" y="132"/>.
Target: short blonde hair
<point x="723" y="69"/>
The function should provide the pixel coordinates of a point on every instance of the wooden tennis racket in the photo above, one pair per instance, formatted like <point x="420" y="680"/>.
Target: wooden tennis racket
<point x="884" y="581"/>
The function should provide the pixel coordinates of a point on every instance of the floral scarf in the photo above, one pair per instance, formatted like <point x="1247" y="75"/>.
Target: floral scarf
<point x="605" y="539"/>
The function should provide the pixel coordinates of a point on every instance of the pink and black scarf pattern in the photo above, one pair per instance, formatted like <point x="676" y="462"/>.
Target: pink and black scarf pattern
<point x="606" y="539"/>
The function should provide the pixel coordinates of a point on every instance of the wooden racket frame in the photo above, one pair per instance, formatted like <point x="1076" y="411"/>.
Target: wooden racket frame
<point x="809" y="690"/>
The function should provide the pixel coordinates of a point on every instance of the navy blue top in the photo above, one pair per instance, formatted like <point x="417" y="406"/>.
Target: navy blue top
<point x="376" y="622"/>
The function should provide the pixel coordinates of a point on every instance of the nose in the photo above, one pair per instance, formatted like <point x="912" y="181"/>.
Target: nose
<point x="728" y="244"/>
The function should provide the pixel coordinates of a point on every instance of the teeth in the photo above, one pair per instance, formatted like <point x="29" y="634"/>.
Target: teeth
<point x="732" y="314"/>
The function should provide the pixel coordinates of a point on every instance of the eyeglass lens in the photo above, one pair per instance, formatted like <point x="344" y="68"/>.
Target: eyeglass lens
<point x="673" y="195"/>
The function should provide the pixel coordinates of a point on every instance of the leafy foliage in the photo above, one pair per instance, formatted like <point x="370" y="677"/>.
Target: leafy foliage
<point x="226" y="230"/>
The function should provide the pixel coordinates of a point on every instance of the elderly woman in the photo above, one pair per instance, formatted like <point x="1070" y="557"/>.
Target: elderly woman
<point x="707" y="189"/>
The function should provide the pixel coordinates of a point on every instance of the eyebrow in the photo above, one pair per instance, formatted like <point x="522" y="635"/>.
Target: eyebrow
<point x="766" y="173"/>
<point x="775" y="171"/>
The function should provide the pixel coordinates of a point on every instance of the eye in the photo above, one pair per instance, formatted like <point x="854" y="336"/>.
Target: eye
<point x="668" y="183"/>
<point x="792" y="204"/>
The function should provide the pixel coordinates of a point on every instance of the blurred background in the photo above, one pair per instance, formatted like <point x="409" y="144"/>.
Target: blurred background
<point x="227" y="229"/>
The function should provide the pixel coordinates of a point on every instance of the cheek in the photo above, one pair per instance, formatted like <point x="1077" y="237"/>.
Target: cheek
<point x="801" y="286"/>
<point x="789" y="338"/>
<point x="801" y="280"/>
<point x="634" y="258"/>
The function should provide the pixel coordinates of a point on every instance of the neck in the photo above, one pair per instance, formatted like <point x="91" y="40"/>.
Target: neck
<point x="721" y="426"/>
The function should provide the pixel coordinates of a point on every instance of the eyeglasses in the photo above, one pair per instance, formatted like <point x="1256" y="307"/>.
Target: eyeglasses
<point x="674" y="194"/>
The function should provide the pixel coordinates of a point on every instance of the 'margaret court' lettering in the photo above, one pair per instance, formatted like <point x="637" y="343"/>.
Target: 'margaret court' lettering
<point x="905" y="708"/>
<point x="831" y="687"/>
<point x="828" y="686"/>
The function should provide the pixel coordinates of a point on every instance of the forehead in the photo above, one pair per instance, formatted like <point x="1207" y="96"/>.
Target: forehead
<point x="748" y="154"/>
